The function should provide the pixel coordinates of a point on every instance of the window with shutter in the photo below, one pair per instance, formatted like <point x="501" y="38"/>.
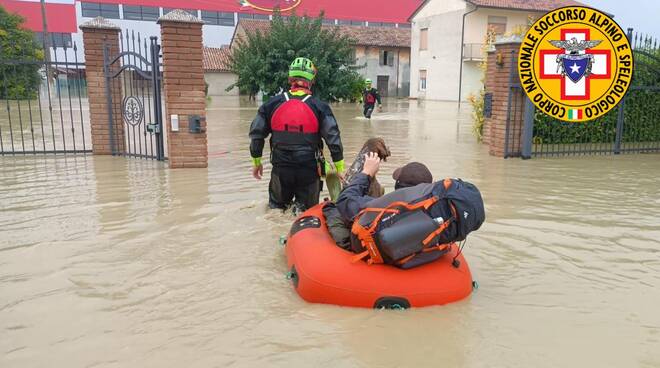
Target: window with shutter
<point x="226" y="19"/>
<point x="136" y="12"/>
<point x="55" y="39"/>
<point x="423" y="38"/>
<point x="422" y="80"/>
<point x="496" y="24"/>
<point x="386" y="58"/>
<point x="110" y="11"/>
<point x="91" y="10"/>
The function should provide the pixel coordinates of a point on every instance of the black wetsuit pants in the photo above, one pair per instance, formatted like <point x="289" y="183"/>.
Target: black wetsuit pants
<point x="300" y="185"/>
<point x="368" y="109"/>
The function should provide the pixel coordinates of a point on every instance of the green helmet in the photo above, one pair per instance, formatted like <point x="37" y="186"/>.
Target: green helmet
<point x="367" y="81"/>
<point x="302" y="68"/>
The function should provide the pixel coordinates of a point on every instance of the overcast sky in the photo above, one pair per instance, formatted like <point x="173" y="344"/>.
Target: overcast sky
<point x="642" y="15"/>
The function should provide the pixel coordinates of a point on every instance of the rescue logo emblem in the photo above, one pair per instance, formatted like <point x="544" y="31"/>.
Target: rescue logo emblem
<point x="575" y="64"/>
<point x="270" y="5"/>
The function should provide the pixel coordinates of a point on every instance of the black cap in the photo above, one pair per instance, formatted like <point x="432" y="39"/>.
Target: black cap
<point x="412" y="174"/>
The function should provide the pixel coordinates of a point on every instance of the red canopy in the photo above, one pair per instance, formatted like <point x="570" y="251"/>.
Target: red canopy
<point x="61" y="17"/>
<point x="395" y="11"/>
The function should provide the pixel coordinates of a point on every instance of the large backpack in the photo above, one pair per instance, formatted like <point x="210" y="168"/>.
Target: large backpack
<point x="414" y="226"/>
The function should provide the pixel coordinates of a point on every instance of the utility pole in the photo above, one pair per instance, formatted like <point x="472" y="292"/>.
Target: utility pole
<point x="44" y="33"/>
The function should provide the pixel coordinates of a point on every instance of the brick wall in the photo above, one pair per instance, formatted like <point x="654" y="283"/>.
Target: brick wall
<point x="184" y="86"/>
<point x="498" y="74"/>
<point x="97" y="34"/>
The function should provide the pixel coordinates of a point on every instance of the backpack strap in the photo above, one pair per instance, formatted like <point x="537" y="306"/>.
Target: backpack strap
<point x="439" y="247"/>
<point x="286" y="96"/>
<point x="437" y="232"/>
<point x="366" y="233"/>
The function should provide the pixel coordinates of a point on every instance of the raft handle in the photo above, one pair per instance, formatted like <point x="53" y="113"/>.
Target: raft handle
<point x="392" y="302"/>
<point x="305" y="222"/>
<point x="293" y="276"/>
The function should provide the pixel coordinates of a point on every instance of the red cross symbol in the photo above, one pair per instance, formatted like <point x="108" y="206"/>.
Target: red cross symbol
<point x="600" y="69"/>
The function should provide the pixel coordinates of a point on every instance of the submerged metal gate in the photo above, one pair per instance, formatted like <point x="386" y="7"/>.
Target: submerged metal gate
<point x="514" y="116"/>
<point x="44" y="108"/>
<point x="133" y="88"/>
<point x="633" y="127"/>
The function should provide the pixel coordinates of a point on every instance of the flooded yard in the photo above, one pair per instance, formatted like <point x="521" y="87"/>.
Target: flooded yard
<point x="115" y="262"/>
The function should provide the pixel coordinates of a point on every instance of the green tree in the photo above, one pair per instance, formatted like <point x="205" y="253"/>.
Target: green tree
<point x="261" y="60"/>
<point x="18" y="81"/>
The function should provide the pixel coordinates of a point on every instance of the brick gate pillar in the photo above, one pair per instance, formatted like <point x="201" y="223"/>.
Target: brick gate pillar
<point x="498" y="77"/>
<point x="183" y="81"/>
<point x="97" y="34"/>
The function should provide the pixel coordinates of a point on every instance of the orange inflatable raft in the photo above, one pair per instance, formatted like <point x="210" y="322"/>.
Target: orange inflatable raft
<point x="322" y="272"/>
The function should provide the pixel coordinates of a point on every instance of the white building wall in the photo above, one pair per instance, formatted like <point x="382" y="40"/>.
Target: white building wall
<point x="436" y="7"/>
<point x="442" y="59"/>
<point x="476" y="24"/>
<point x="212" y="36"/>
<point x="218" y="83"/>
<point x="472" y="79"/>
<point x="217" y="36"/>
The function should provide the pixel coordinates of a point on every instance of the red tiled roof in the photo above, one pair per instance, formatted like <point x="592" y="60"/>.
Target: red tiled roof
<point x="216" y="59"/>
<point x="251" y="26"/>
<point x="362" y="35"/>
<point x="377" y="36"/>
<point x="534" y="5"/>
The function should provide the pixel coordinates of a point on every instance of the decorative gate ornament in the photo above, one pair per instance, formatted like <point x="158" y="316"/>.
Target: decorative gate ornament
<point x="133" y="110"/>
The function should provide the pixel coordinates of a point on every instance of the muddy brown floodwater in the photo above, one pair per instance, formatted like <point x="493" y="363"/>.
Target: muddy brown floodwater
<point x="109" y="262"/>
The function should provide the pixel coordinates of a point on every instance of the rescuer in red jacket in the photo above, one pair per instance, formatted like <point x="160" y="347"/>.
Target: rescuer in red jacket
<point x="297" y="123"/>
<point x="370" y="96"/>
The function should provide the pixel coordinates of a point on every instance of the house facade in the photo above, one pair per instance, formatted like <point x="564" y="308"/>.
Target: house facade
<point x="217" y="75"/>
<point x="449" y="41"/>
<point x="383" y="53"/>
<point x="387" y="66"/>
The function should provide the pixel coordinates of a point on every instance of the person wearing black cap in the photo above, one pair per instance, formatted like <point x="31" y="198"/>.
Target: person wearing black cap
<point x="411" y="174"/>
<point x="354" y="198"/>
